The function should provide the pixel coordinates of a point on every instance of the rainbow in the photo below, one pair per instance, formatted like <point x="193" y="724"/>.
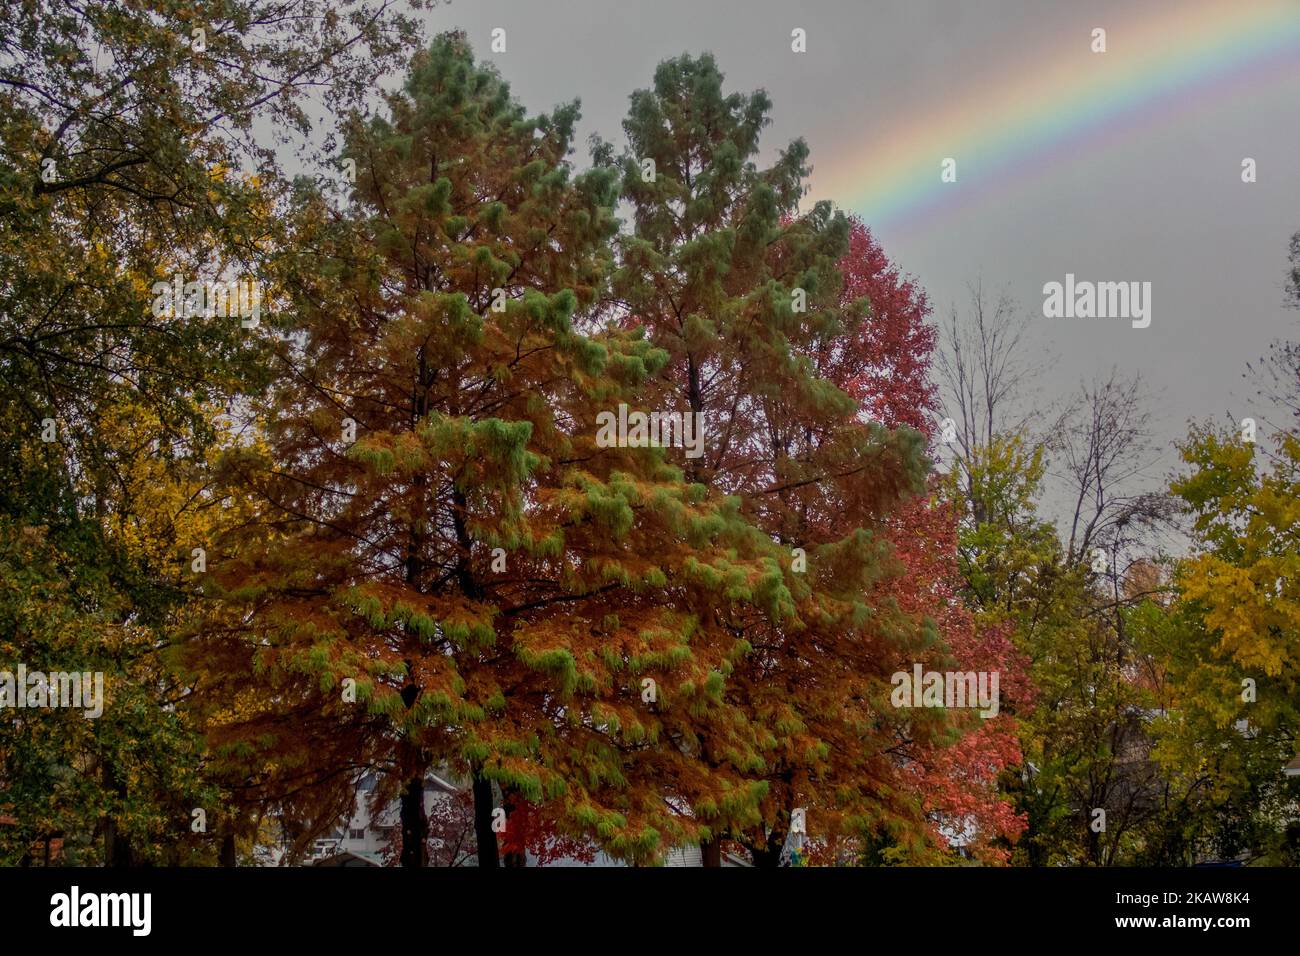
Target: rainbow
<point x="1063" y="104"/>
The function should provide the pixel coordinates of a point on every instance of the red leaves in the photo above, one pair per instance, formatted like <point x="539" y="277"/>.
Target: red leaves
<point x="885" y="361"/>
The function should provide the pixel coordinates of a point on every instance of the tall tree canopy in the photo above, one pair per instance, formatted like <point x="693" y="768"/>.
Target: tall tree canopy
<point x="126" y="135"/>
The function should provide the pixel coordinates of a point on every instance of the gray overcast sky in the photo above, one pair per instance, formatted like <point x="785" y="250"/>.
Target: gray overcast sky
<point x="1153" y="195"/>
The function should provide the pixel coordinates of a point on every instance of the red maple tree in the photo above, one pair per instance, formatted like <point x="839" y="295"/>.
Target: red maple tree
<point x="885" y="365"/>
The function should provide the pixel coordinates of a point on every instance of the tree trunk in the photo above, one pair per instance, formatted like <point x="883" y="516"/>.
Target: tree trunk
<point x="768" y="856"/>
<point x="483" y="833"/>
<point x="415" y="826"/>
<point x="711" y="853"/>
<point x="228" y="849"/>
<point x="117" y="846"/>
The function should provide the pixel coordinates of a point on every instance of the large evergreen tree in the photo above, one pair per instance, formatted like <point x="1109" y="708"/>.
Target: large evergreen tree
<point x="496" y="583"/>
<point x="742" y="289"/>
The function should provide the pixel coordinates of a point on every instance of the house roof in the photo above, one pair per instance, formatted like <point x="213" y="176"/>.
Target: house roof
<point x="348" y="858"/>
<point x="439" y="784"/>
<point x="1293" y="768"/>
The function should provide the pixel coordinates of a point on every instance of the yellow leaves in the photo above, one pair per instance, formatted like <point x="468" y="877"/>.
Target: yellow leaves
<point x="155" y="503"/>
<point x="244" y="706"/>
<point x="1237" y="610"/>
<point x="1247" y="579"/>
